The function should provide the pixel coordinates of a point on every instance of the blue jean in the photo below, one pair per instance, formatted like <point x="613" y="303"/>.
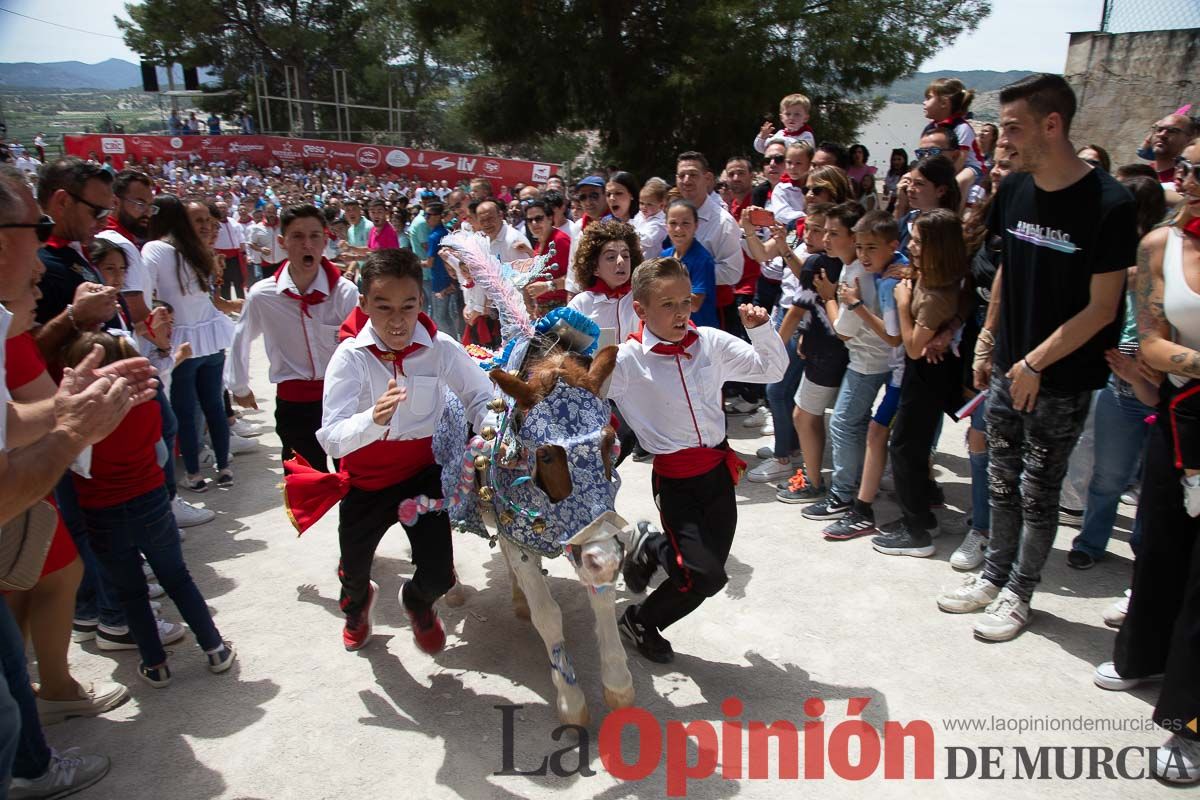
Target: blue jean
<point x="780" y="399"/>
<point x="95" y="598"/>
<point x="21" y="740"/>
<point x="981" y="508"/>
<point x="448" y="313"/>
<point x="170" y="427"/>
<point x="427" y="291"/>
<point x="146" y="524"/>
<point x="1122" y="418"/>
<point x="200" y="379"/>
<point x="848" y="430"/>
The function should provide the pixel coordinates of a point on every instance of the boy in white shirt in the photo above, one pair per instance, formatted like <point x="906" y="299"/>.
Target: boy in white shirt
<point x="384" y="394"/>
<point x="793" y="113"/>
<point x="667" y="383"/>
<point x="297" y="311"/>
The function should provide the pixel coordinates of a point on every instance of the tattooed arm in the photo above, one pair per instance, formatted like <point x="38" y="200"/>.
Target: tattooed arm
<point x="1153" y="329"/>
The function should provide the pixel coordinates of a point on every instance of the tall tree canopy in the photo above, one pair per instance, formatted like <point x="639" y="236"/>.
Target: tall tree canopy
<point x="658" y="76"/>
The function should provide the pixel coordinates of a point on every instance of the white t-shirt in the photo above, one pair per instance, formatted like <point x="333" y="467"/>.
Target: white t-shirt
<point x="197" y="320"/>
<point x="869" y="355"/>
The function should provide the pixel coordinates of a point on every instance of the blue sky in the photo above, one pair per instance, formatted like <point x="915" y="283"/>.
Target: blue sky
<point x="1019" y="34"/>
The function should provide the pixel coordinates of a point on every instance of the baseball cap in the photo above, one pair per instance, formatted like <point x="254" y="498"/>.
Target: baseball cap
<point x="428" y="195"/>
<point x="591" y="180"/>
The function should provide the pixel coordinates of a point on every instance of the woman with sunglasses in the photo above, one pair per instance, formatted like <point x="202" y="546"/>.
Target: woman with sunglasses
<point x="1158" y="637"/>
<point x="184" y="268"/>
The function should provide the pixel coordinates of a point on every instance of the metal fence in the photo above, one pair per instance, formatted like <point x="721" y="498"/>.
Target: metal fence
<point x="1128" y="16"/>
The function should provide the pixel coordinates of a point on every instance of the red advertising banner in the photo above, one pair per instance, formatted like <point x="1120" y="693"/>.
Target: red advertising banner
<point x="263" y="151"/>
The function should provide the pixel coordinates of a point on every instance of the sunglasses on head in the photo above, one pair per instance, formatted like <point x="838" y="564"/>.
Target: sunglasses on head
<point x="44" y="227"/>
<point x="926" y="152"/>
<point x="1183" y="168"/>
<point x="774" y="159"/>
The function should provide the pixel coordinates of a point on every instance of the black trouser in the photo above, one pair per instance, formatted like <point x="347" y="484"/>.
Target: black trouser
<point x="233" y="279"/>
<point x="926" y="392"/>
<point x="297" y="424"/>
<point x="1161" y="633"/>
<point x="699" y="518"/>
<point x="365" y="516"/>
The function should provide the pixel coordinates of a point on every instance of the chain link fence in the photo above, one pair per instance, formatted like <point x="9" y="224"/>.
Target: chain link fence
<point x="1128" y="16"/>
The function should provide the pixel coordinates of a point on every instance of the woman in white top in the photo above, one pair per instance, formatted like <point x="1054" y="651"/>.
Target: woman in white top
<point x="183" y="266"/>
<point x="1158" y="636"/>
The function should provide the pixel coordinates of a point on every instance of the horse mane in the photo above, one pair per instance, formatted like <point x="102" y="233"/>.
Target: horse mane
<point x="545" y="372"/>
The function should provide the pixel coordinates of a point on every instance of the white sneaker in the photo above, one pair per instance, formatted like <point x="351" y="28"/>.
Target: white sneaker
<point x="207" y="457"/>
<point x="768" y="429"/>
<point x="757" y="418"/>
<point x="121" y="639"/>
<point x="1131" y="496"/>
<point x="1005" y="617"/>
<point x="1178" y="761"/>
<point x="70" y="771"/>
<point x="247" y="430"/>
<point x="1191" y="494"/>
<point x="1107" y="677"/>
<point x="1114" y="615"/>
<point x="239" y="445"/>
<point x="187" y="515"/>
<point x="738" y="406"/>
<point x="969" y="554"/>
<point x="975" y="592"/>
<point x="769" y="470"/>
<point x="156" y="590"/>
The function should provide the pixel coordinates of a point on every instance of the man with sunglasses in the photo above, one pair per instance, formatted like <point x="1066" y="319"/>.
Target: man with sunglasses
<point x="128" y="228"/>
<point x="1168" y="137"/>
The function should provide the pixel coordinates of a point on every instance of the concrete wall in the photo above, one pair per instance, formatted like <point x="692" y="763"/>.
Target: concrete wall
<point x="1127" y="81"/>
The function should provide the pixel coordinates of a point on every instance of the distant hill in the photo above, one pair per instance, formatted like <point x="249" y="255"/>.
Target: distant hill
<point x="912" y="88"/>
<point x="108" y="75"/>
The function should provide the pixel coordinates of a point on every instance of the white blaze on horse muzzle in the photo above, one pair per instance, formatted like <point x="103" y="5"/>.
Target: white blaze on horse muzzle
<point x="598" y="550"/>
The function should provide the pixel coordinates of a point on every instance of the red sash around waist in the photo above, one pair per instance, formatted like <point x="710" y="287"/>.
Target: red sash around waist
<point x="309" y="493"/>
<point x="298" y="391"/>
<point x="697" y="461"/>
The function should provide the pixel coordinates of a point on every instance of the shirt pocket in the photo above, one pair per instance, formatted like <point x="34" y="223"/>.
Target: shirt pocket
<point x="423" y="395"/>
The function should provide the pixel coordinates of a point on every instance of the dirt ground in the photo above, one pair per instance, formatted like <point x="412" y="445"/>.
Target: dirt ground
<point x="801" y="618"/>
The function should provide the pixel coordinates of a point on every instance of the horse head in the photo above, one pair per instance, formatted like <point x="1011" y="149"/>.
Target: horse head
<point x="556" y="485"/>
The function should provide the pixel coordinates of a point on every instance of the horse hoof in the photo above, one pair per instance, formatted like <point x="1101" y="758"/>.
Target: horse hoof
<point x="581" y="717"/>
<point x="456" y="596"/>
<point x="618" y="698"/>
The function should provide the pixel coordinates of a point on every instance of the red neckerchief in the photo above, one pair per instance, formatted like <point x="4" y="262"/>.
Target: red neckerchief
<point x="315" y="296"/>
<point x="798" y="131"/>
<point x="949" y="122"/>
<point x="396" y="359"/>
<point x="57" y="241"/>
<point x="671" y="348"/>
<point x="584" y="221"/>
<point x="600" y="287"/>
<point x="113" y="225"/>
<point x="1192" y="228"/>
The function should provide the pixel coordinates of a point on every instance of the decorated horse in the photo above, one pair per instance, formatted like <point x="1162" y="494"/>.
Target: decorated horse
<point x="541" y="477"/>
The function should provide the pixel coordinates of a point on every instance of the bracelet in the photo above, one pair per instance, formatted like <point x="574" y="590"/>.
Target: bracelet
<point x="854" y="306"/>
<point x="71" y="316"/>
<point x="1030" y="367"/>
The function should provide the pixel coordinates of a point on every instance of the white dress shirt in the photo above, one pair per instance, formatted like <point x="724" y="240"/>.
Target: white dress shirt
<point x="356" y="378"/>
<point x="722" y="236"/>
<point x="229" y="235"/>
<point x="651" y="231"/>
<point x="197" y="320"/>
<point x="298" y="345"/>
<point x="668" y="400"/>
<point x="614" y="314"/>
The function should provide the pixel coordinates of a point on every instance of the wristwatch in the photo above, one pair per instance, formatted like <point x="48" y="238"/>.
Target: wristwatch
<point x="854" y="305"/>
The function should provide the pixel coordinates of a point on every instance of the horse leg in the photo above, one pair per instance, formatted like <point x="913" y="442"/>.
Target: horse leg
<point x="519" y="603"/>
<point x="614" y="672"/>
<point x="547" y="618"/>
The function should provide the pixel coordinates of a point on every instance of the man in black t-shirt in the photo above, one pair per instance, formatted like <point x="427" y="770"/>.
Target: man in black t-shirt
<point x="1069" y="233"/>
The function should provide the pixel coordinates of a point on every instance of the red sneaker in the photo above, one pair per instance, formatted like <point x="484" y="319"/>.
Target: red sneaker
<point x="357" y="632"/>
<point x="428" y="632"/>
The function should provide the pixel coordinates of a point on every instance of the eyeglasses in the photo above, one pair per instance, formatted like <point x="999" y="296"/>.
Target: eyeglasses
<point x="926" y="152"/>
<point x="1183" y="168"/>
<point x="538" y="218"/>
<point x="44" y="227"/>
<point x="815" y="189"/>
<point x="1167" y="129"/>
<point x="774" y="159"/>
<point x="140" y="205"/>
<point x="98" y="212"/>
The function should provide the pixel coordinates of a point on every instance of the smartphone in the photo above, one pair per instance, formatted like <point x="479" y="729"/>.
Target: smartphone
<point x="761" y="218"/>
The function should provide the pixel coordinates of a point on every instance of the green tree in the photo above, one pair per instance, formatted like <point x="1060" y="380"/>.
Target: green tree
<point x="658" y="76"/>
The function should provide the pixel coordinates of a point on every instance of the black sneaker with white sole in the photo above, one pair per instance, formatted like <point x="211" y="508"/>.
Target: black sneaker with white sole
<point x="853" y="525"/>
<point x="899" y="540"/>
<point x="647" y="639"/>
<point x="829" y="508"/>
<point x="639" y="567"/>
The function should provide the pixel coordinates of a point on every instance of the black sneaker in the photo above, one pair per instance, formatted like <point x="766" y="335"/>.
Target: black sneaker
<point x="647" y="639"/>
<point x="222" y="659"/>
<point x="851" y="526"/>
<point x="83" y="630"/>
<point x="158" y="677"/>
<point x="900" y="541"/>
<point x="639" y="568"/>
<point x="1070" y="517"/>
<point x="829" y="508"/>
<point x="1078" y="559"/>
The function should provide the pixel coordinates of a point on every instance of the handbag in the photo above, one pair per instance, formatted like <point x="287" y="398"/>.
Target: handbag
<point x="24" y="542"/>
